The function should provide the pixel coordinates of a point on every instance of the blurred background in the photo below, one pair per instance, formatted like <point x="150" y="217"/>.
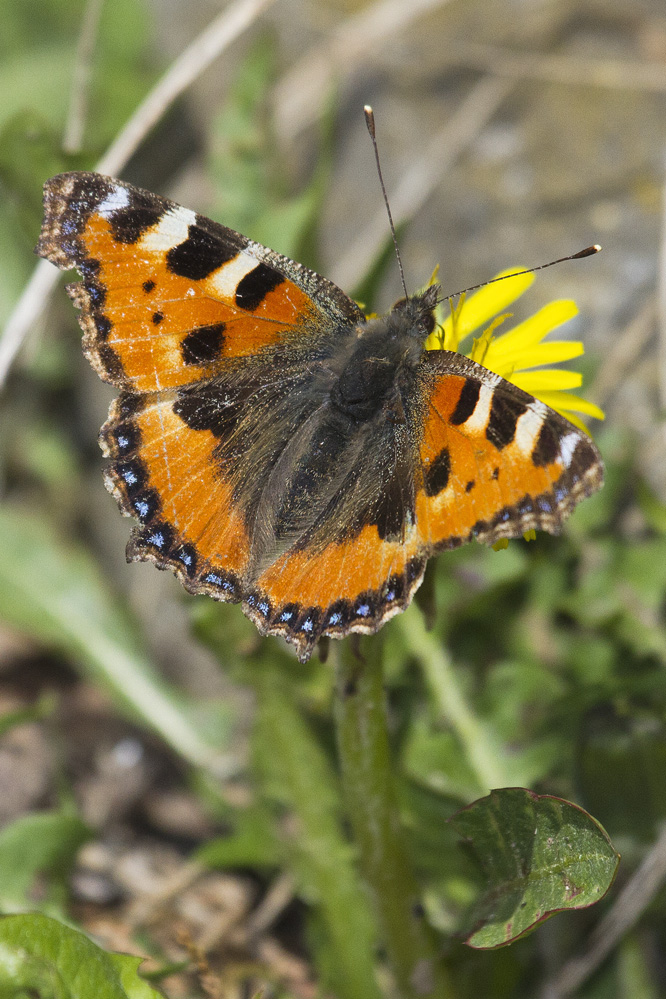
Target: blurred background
<point x="511" y="132"/>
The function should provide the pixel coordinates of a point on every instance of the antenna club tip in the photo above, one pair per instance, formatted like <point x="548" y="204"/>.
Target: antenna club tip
<point x="589" y="251"/>
<point x="369" y="119"/>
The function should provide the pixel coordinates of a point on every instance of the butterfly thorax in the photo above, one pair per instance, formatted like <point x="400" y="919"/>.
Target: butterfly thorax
<point x="378" y="363"/>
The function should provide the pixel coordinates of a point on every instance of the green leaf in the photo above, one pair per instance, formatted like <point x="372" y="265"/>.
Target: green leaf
<point x="37" y="844"/>
<point x="540" y="855"/>
<point x="39" y="956"/>
<point x="251" y="843"/>
<point x="433" y="758"/>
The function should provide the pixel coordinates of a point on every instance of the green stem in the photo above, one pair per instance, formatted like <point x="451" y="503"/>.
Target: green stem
<point x="483" y="752"/>
<point x="367" y="777"/>
<point x="297" y="772"/>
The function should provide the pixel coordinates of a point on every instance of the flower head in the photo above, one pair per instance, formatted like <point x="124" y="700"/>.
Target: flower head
<point x="519" y="355"/>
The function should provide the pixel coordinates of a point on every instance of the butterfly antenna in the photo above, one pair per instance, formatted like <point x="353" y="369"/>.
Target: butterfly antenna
<point x="589" y="251"/>
<point x="370" y="122"/>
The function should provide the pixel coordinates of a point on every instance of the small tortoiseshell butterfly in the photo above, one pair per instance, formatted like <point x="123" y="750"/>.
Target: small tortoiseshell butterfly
<point x="280" y="449"/>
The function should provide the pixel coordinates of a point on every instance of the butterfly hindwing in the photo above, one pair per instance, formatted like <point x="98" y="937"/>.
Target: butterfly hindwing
<point x="496" y="461"/>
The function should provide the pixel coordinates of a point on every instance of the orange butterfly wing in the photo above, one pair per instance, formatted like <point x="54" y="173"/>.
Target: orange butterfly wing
<point x="496" y="462"/>
<point x="167" y="294"/>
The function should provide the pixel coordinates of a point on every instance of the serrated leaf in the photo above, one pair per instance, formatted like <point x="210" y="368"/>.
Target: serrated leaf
<point x="40" y="956"/>
<point x="42" y="843"/>
<point x="540" y="855"/>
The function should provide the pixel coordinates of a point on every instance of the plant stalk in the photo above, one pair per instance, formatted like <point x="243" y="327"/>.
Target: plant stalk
<point x="367" y="777"/>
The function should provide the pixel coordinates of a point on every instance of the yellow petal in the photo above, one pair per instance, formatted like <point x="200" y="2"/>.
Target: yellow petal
<point x="551" y="353"/>
<point x="548" y="380"/>
<point x="567" y="402"/>
<point x="484" y="305"/>
<point x="435" y="340"/>
<point x="533" y="330"/>
<point x="505" y="363"/>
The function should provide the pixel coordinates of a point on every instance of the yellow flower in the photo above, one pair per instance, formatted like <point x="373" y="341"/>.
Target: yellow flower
<point x="516" y="353"/>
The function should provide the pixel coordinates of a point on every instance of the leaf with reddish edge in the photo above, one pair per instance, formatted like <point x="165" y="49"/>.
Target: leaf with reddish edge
<point x="540" y="855"/>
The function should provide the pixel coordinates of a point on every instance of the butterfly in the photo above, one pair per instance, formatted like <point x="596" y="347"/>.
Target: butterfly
<point x="278" y="448"/>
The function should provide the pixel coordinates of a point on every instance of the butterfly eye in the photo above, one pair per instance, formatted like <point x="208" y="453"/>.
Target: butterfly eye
<point x="428" y="321"/>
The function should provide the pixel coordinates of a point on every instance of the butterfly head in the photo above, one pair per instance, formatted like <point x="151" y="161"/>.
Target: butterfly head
<point x="415" y="315"/>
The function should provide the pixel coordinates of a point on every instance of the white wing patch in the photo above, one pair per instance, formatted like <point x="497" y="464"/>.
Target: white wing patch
<point x="171" y="230"/>
<point x="225" y="280"/>
<point x="115" y="201"/>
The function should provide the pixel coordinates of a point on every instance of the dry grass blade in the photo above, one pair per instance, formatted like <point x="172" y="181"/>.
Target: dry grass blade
<point x="612" y="74"/>
<point x="301" y="94"/>
<point x="424" y="175"/>
<point x="624" y="352"/>
<point x="72" y="140"/>
<point x="196" y="58"/>
<point x="661" y="298"/>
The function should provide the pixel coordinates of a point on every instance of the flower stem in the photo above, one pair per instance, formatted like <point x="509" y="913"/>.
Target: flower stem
<point x="367" y="777"/>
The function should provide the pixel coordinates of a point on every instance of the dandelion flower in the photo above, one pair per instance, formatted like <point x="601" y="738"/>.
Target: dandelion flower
<point x="519" y="354"/>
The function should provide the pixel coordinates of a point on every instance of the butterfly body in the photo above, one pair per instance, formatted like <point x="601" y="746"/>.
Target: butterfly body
<point x="278" y="448"/>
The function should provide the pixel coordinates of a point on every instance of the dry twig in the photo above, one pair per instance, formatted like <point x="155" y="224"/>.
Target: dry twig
<point x="72" y="139"/>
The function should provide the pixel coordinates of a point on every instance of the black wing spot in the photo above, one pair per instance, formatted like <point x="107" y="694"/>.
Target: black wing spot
<point x="203" y="345"/>
<point x="148" y="286"/>
<point x="437" y="473"/>
<point x="203" y="410"/>
<point x="470" y="485"/>
<point x="157" y="318"/>
<point x="504" y="415"/>
<point x="466" y="404"/>
<point x="547" y="447"/>
<point x="129" y="224"/>
<point x="198" y="255"/>
<point x="253" y="288"/>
